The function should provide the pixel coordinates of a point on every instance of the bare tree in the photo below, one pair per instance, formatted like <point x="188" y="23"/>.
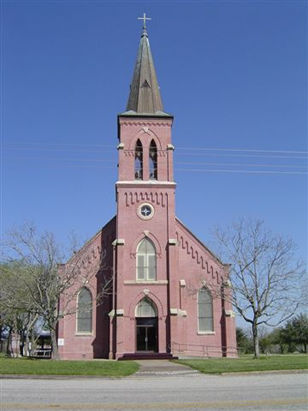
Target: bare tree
<point x="266" y="281"/>
<point x="16" y="306"/>
<point x="44" y="281"/>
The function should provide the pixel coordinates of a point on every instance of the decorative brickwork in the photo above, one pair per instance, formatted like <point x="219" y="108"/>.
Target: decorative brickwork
<point x="136" y="197"/>
<point x="154" y="261"/>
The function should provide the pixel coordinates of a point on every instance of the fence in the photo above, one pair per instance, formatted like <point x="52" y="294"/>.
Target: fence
<point x="199" y="350"/>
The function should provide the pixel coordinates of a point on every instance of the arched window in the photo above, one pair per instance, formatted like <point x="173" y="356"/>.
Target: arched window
<point x="84" y="311"/>
<point x="153" y="161"/>
<point x="145" y="309"/>
<point x="146" y="260"/>
<point x="205" y="311"/>
<point x="138" y="161"/>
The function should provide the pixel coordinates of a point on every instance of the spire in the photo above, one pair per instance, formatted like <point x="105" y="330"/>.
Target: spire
<point x="144" y="94"/>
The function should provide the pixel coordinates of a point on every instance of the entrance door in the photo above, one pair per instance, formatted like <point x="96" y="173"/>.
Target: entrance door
<point x="146" y="329"/>
<point x="146" y="326"/>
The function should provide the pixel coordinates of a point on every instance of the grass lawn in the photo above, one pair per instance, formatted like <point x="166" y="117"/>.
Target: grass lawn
<point x="244" y="364"/>
<point x="103" y="368"/>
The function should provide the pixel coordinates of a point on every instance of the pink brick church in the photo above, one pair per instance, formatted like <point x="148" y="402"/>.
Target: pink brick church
<point x="162" y="300"/>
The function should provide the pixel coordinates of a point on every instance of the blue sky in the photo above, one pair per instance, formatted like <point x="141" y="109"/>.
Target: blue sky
<point x="233" y="73"/>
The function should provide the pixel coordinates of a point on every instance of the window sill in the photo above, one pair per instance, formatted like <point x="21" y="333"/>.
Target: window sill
<point x="146" y="282"/>
<point x="206" y="332"/>
<point x="84" y="334"/>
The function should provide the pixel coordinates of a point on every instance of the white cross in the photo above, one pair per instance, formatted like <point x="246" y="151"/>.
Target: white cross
<point x="144" y="18"/>
<point x="146" y="211"/>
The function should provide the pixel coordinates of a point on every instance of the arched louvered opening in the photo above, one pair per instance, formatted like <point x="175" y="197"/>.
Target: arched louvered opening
<point x="146" y="326"/>
<point x="153" y="161"/>
<point x="138" y="161"/>
<point x="146" y="260"/>
<point x="84" y="311"/>
<point x="205" y="311"/>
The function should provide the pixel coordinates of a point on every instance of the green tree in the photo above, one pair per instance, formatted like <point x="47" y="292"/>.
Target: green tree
<point x="295" y="332"/>
<point x="244" y="343"/>
<point x="277" y="339"/>
<point x="265" y="344"/>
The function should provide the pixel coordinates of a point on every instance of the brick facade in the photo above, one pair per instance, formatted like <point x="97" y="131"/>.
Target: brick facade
<point x="184" y="265"/>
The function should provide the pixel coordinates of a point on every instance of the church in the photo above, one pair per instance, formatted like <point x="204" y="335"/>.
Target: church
<point x="147" y="286"/>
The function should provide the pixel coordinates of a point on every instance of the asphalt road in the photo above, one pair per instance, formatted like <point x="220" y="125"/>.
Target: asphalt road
<point x="170" y="392"/>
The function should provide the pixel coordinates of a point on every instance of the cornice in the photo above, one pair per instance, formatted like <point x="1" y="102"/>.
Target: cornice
<point x="146" y="184"/>
<point x="145" y="123"/>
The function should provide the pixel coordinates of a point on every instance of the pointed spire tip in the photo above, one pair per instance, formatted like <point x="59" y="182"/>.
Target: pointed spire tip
<point x="144" y="96"/>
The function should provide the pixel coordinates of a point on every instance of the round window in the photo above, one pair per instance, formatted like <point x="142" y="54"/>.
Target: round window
<point x="145" y="211"/>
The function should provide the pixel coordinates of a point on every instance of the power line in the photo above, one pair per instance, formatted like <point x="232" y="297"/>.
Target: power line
<point x="59" y="144"/>
<point x="226" y="167"/>
<point x="211" y="154"/>
<point x="58" y="162"/>
<point x="219" y="149"/>
<point x="57" y="149"/>
<point x="58" y="159"/>
<point x="240" y="171"/>
<point x="103" y="160"/>
<point x="239" y="164"/>
<point x="202" y="170"/>
<point x="243" y="150"/>
<point x="240" y="155"/>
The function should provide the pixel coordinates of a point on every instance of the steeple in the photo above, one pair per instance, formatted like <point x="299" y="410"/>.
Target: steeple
<point x="144" y="97"/>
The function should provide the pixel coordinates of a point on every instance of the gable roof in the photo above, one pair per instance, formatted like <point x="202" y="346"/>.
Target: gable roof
<point x="91" y="240"/>
<point x="182" y="225"/>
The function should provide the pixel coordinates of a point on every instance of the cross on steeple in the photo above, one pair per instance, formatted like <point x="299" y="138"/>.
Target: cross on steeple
<point x="144" y="18"/>
<point x="144" y="96"/>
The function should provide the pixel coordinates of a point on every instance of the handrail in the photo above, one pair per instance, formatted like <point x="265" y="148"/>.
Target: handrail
<point x="203" y="350"/>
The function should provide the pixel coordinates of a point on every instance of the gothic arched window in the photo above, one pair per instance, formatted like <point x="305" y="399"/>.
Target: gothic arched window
<point x="146" y="260"/>
<point x="84" y="311"/>
<point x="145" y="308"/>
<point x="205" y="311"/>
<point x="153" y="161"/>
<point x="138" y="161"/>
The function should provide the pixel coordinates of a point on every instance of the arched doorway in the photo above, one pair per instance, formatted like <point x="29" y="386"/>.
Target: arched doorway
<point x="146" y="326"/>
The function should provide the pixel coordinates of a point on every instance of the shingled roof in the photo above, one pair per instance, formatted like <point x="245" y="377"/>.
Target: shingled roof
<point x="144" y="97"/>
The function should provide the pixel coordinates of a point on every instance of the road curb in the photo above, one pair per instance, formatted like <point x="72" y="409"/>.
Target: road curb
<point x="57" y="377"/>
<point x="145" y="373"/>
<point x="304" y="371"/>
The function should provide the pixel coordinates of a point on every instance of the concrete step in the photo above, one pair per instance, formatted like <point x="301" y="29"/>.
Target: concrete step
<point x="147" y="356"/>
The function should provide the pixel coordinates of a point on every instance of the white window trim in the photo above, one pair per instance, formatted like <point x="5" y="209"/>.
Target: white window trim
<point x="154" y="282"/>
<point x="83" y="334"/>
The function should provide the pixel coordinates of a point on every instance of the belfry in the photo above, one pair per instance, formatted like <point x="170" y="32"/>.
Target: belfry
<point x="163" y="282"/>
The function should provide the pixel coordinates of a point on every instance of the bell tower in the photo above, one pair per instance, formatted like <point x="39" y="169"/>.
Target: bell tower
<point x="147" y="149"/>
<point x="145" y="195"/>
<point x="170" y="293"/>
